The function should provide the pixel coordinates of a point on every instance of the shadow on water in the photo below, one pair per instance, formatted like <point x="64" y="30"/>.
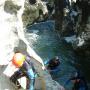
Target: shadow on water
<point x="84" y="64"/>
<point x="47" y="44"/>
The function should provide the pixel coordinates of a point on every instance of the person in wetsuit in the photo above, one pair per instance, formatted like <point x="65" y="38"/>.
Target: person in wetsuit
<point x="26" y="68"/>
<point x="79" y="82"/>
<point x="53" y="63"/>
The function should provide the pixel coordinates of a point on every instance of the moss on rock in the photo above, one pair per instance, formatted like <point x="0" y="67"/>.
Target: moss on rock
<point x="30" y="14"/>
<point x="10" y="7"/>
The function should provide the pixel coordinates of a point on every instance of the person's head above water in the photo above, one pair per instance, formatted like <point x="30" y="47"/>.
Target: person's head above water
<point x="56" y="57"/>
<point x="54" y="61"/>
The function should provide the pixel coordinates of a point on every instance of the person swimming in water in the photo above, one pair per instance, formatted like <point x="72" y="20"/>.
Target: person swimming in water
<point x="53" y="63"/>
<point x="79" y="82"/>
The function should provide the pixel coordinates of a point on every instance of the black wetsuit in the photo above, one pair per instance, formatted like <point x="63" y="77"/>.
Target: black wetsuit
<point x="80" y="84"/>
<point x="53" y="64"/>
<point x="27" y="70"/>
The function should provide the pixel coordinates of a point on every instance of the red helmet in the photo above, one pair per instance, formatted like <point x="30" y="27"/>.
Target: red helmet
<point x="18" y="59"/>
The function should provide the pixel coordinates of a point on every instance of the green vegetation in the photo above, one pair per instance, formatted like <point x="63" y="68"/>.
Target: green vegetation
<point x="30" y="14"/>
<point x="10" y="7"/>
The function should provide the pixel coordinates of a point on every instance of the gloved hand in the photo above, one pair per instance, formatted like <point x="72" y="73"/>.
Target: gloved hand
<point x="43" y="67"/>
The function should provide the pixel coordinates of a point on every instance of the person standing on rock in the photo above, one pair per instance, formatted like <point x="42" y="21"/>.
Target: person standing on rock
<point x="26" y="69"/>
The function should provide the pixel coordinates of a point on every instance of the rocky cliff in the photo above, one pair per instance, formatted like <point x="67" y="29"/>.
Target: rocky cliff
<point x="12" y="35"/>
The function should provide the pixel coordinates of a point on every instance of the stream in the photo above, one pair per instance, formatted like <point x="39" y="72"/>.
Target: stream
<point x="47" y="44"/>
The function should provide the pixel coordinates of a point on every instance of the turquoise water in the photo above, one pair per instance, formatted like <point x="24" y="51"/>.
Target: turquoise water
<point x="47" y="44"/>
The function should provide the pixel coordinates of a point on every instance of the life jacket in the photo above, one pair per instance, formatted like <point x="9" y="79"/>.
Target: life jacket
<point x="18" y="59"/>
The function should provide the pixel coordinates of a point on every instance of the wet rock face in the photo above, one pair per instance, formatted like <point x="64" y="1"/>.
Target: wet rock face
<point x="84" y="5"/>
<point x="10" y="7"/>
<point x="11" y="30"/>
<point x="10" y="23"/>
<point x="78" y="24"/>
<point x="84" y="49"/>
<point x="84" y="34"/>
<point x="32" y="1"/>
<point x="59" y="6"/>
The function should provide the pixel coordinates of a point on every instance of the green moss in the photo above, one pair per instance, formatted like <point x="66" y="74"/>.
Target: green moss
<point x="10" y="7"/>
<point x="29" y="14"/>
<point x="25" y="16"/>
